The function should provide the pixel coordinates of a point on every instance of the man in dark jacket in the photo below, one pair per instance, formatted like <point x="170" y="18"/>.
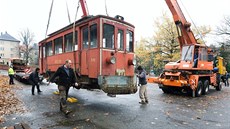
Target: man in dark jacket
<point x="143" y="85"/>
<point x="66" y="79"/>
<point x="34" y="79"/>
<point x="227" y="77"/>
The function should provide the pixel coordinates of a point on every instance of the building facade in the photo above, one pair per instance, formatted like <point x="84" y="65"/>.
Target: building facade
<point x="9" y="48"/>
<point x="34" y="55"/>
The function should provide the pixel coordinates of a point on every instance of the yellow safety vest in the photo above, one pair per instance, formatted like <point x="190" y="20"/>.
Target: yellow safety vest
<point x="11" y="71"/>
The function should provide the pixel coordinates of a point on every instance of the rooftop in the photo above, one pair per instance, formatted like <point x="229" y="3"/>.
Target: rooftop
<point x="8" y="37"/>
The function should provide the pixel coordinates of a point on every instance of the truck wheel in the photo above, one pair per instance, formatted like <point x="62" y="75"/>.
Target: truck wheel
<point x="199" y="89"/>
<point x="218" y="87"/>
<point x="165" y="90"/>
<point x="205" y="87"/>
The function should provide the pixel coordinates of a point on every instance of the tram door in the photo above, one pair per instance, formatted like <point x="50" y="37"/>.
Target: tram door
<point x="84" y="49"/>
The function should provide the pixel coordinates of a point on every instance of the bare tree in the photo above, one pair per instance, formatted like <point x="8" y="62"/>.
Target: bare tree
<point x="224" y="30"/>
<point x="26" y="38"/>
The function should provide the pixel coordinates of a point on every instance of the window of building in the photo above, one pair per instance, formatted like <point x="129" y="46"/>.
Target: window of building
<point x="1" y="42"/>
<point x="108" y="36"/>
<point x="58" y="45"/>
<point x="12" y="49"/>
<point x="11" y="55"/>
<point x="120" y="40"/>
<point x="1" y="48"/>
<point x="93" y="36"/>
<point x="129" y="41"/>
<point x="1" y="54"/>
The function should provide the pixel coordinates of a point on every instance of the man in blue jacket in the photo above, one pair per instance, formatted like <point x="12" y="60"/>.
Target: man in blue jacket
<point x="143" y="85"/>
<point x="66" y="79"/>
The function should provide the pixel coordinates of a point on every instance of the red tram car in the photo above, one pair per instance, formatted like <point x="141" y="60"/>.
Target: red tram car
<point x="101" y="49"/>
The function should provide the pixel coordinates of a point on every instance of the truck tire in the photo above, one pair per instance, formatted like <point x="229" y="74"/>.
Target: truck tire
<point x="166" y="90"/>
<point x="219" y="86"/>
<point x="199" y="88"/>
<point x="205" y="87"/>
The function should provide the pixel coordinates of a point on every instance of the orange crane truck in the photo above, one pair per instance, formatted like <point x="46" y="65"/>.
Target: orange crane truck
<point x="196" y="70"/>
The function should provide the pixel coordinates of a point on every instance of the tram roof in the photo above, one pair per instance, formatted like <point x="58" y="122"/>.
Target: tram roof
<point x="86" y="19"/>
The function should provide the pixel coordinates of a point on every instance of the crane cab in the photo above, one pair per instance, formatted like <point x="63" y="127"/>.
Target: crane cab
<point x="193" y="57"/>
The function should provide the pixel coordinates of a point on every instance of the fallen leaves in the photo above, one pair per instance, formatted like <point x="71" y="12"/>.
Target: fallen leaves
<point x="9" y="102"/>
<point x="1" y="119"/>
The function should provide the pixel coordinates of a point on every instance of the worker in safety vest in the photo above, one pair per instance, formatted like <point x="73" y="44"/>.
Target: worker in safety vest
<point x="11" y="75"/>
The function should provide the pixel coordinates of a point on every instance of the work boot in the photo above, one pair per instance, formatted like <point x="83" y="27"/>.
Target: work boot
<point x="142" y="102"/>
<point x="146" y="101"/>
<point x="32" y="93"/>
<point x="67" y="112"/>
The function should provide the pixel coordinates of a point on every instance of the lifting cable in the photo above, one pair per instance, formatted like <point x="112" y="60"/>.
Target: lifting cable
<point x="68" y="11"/>
<point x="74" y="39"/>
<point x="74" y="23"/>
<point x="106" y="9"/>
<point x="51" y="7"/>
<point x="193" y="23"/>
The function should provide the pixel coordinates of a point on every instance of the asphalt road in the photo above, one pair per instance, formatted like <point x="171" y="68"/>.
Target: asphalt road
<point x="95" y="110"/>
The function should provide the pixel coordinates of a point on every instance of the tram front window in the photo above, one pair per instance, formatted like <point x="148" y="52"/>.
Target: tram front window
<point x="108" y="36"/>
<point x="129" y="41"/>
<point x="93" y="36"/>
<point x="120" y="40"/>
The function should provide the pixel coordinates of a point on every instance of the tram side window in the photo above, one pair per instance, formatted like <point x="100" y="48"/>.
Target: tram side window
<point x="108" y="36"/>
<point x="129" y="41"/>
<point x="40" y="51"/>
<point x="85" y="38"/>
<point x="120" y="40"/>
<point x="69" y="42"/>
<point x="44" y="51"/>
<point x="49" y="51"/>
<point x="93" y="36"/>
<point x="58" y="45"/>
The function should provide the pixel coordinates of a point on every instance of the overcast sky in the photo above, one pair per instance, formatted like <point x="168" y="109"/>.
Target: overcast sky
<point x="18" y="15"/>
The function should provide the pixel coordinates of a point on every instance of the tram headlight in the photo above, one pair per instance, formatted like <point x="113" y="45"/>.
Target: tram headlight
<point x="111" y="60"/>
<point x="132" y="62"/>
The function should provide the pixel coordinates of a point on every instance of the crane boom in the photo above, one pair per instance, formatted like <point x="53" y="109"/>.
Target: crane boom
<point x="84" y="8"/>
<point x="186" y="36"/>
